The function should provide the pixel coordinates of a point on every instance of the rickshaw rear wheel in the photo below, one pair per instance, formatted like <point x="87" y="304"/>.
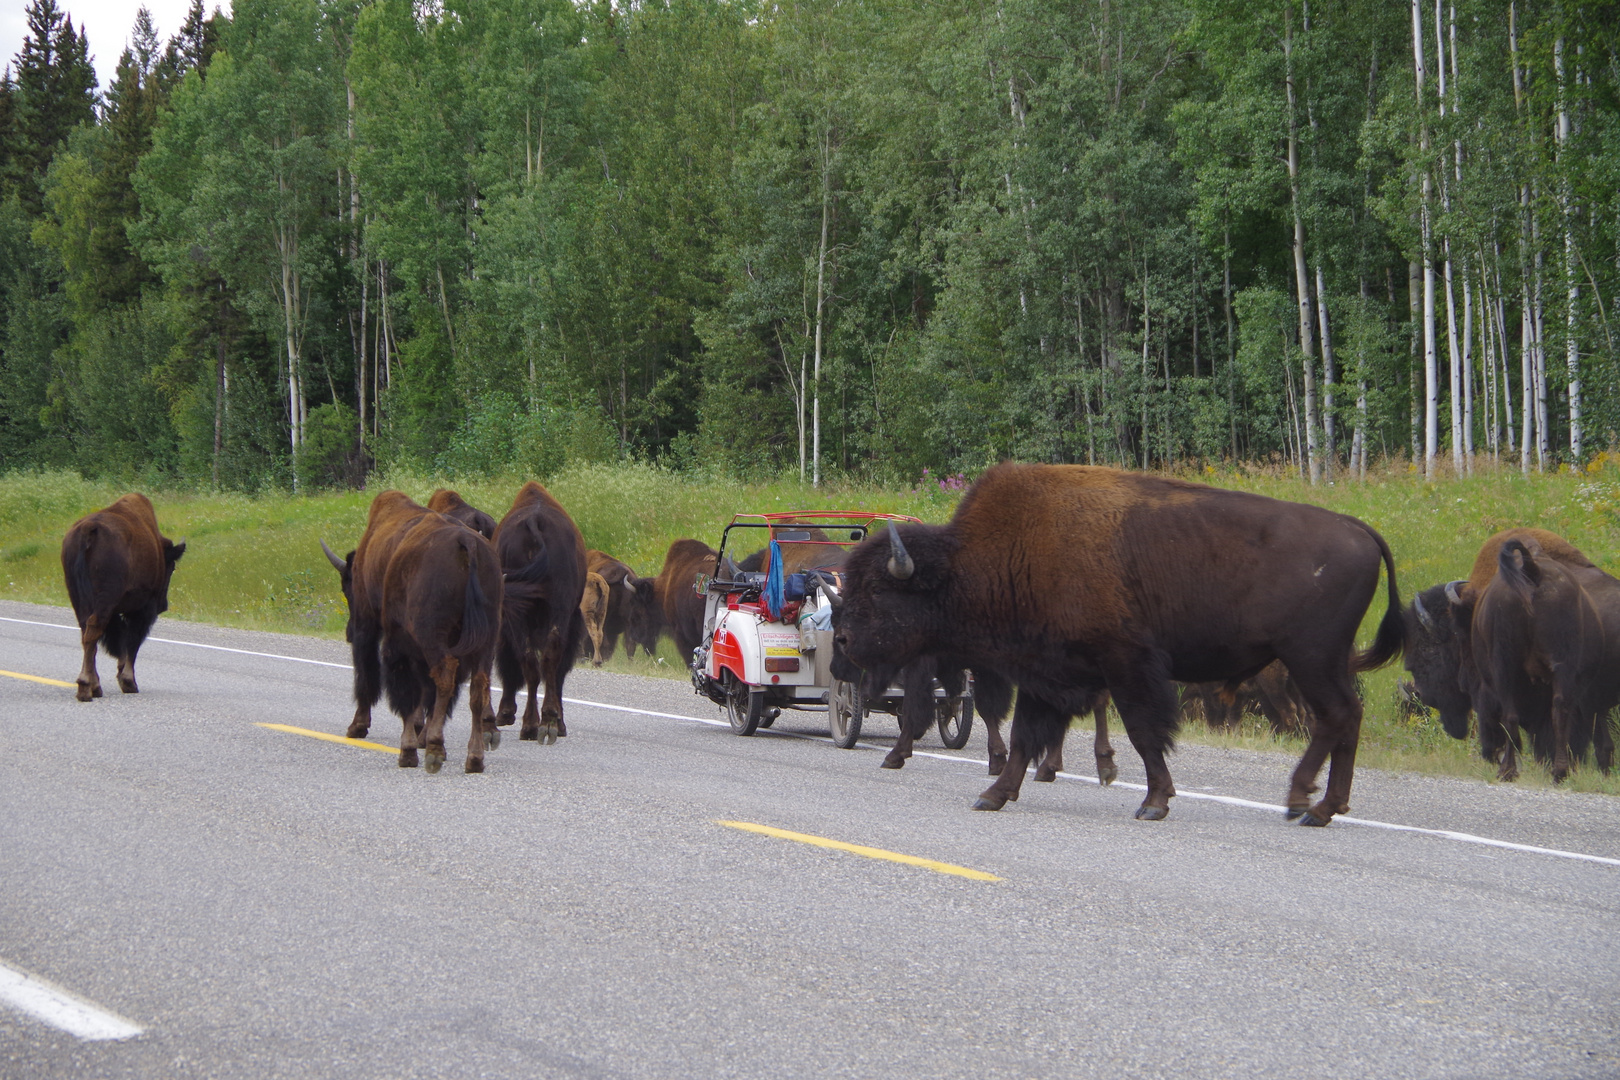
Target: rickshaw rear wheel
<point x="744" y="705"/>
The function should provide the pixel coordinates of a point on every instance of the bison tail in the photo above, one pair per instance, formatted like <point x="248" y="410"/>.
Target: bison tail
<point x="81" y="590"/>
<point x="1391" y="639"/>
<point x="480" y="614"/>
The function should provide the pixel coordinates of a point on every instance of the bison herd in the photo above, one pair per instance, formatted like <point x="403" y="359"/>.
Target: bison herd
<point x="1072" y="585"/>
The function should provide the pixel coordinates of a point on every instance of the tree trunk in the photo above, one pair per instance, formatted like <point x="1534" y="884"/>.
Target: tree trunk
<point x="1431" y="366"/>
<point x="1330" y="452"/>
<point x="1302" y="285"/>
<point x="1566" y="199"/>
<point x="821" y="300"/>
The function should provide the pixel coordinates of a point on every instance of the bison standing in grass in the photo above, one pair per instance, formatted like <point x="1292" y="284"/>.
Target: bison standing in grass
<point x="1068" y="580"/>
<point x="117" y="567"/>
<point x="668" y="603"/>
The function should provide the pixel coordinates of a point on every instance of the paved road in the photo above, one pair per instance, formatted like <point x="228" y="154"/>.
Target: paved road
<point x="263" y="904"/>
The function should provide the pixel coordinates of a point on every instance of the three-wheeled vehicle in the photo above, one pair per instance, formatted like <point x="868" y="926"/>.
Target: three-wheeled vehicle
<point x="767" y="628"/>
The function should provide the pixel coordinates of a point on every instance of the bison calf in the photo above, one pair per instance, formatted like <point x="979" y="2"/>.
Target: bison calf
<point x="117" y="566"/>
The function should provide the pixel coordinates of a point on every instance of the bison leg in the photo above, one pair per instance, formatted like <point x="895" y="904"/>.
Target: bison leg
<point x="410" y="725"/>
<point x="1036" y="728"/>
<point x="89" y="681"/>
<point x="998" y="746"/>
<point x="1334" y="738"/>
<point x="443" y="686"/>
<point x="916" y="712"/>
<point x="1107" y="771"/>
<point x="367" y="680"/>
<point x="1052" y="762"/>
<point x="530" y="730"/>
<point x="1147" y="707"/>
<point x="483" y="714"/>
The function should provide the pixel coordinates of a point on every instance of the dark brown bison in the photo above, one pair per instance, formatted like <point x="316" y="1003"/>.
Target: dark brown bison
<point x="117" y="567"/>
<point x="669" y="603"/>
<point x="452" y="505"/>
<point x="1440" y="658"/>
<point x="619" y="579"/>
<point x="393" y="514"/>
<point x="810" y="549"/>
<point x="1272" y="694"/>
<point x="1545" y="640"/>
<point x="441" y="623"/>
<point x="1068" y="580"/>
<point x="544" y="557"/>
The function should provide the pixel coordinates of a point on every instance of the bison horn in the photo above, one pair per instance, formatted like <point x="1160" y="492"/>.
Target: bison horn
<point x="1423" y="615"/>
<point x="333" y="559"/>
<point x="900" y="564"/>
<point x="1451" y="591"/>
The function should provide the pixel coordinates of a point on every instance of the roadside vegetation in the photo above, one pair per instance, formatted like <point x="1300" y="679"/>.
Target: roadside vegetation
<point x="255" y="561"/>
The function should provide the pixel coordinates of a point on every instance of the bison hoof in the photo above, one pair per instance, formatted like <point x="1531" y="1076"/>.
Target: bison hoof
<point x="1293" y="813"/>
<point x="982" y="803"/>
<point x="529" y="734"/>
<point x="1043" y="775"/>
<point x="1152" y="813"/>
<point x="87" y="693"/>
<point x="1107" y="774"/>
<point x="893" y="763"/>
<point x="434" y="761"/>
<point x="474" y="765"/>
<point x="407" y="759"/>
<point x="127" y="686"/>
<point x="356" y="732"/>
<point x="506" y="717"/>
<point x="997" y="763"/>
<point x="492" y="739"/>
<point x="1309" y="818"/>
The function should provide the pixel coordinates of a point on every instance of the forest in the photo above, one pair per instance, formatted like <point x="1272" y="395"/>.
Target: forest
<point x="822" y="239"/>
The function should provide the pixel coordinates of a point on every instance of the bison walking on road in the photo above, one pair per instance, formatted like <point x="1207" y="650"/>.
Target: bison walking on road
<point x="1068" y="580"/>
<point x="441" y="622"/>
<point x="117" y="567"/>
<point x="544" y="558"/>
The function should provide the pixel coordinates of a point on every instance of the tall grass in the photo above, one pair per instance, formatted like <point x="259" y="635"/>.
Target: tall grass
<point x="256" y="562"/>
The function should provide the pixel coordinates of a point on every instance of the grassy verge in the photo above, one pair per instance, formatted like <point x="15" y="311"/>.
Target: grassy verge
<point x="256" y="562"/>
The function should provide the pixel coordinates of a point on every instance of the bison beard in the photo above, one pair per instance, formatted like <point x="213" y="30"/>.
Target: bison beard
<point x="1069" y="580"/>
<point x="117" y="568"/>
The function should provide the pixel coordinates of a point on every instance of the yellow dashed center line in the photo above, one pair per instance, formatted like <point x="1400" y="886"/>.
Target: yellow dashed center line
<point x="38" y="679"/>
<point x="329" y="738"/>
<point x="857" y="849"/>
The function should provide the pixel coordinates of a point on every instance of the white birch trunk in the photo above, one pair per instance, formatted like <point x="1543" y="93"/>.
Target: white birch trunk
<point x="1302" y="286"/>
<point x="1431" y="370"/>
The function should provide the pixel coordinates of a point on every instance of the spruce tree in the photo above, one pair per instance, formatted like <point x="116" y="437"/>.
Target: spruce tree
<point x="55" y="92"/>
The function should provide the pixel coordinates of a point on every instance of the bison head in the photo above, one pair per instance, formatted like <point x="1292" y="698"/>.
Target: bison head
<point x="1434" y="657"/>
<point x="643" y="614"/>
<point x="894" y="600"/>
<point x="345" y="569"/>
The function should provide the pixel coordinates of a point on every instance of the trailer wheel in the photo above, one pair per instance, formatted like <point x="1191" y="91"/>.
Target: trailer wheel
<point x="954" y="715"/>
<point x="744" y="705"/>
<point x="846" y="708"/>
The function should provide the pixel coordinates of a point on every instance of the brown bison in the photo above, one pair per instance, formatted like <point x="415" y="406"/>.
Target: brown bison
<point x="668" y="602"/>
<point x="452" y="505"/>
<point x="593" y="604"/>
<point x="1272" y="694"/>
<point x="393" y="514"/>
<point x="619" y="579"/>
<point x="1545" y="640"/>
<point x="441" y="622"/>
<point x="117" y="567"/>
<point x="544" y="557"/>
<point x="1068" y="580"/>
<point x="1439" y="655"/>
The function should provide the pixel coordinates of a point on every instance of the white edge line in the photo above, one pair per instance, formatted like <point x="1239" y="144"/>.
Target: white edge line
<point x="68" y="1012"/>
<point x="1229" y="800"/>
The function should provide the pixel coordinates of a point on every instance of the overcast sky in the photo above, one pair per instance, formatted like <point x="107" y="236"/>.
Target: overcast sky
<point x="107" y="22"/>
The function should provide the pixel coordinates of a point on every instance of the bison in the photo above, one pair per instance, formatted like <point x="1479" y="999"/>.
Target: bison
<point x="1439" y="654"/>
<point x="1272" y="694"/>
<point x="360" y="574"/>
<point x="440" y="625"/>
<point x="593" y="605"/>
<point x="619" y="579"/>
<point x="668" y="602"/>
<point x="1070" y="580"/>
<point x="544" y="557"/>
<point x="1545" y="638"/>
<point x="452" y="505"/>
<point x="117" y="568"/>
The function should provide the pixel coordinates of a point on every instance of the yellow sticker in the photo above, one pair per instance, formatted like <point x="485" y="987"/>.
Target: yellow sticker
<point x="779" y="650"/>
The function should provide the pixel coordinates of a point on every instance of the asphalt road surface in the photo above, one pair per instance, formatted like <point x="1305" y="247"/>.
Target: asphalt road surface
<point x="260" y="903"/>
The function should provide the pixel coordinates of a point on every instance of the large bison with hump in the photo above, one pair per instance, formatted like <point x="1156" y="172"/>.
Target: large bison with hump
<point x="1439" y="653"/>
<point x="1067" y="580"/>
<point x="117" y="566"/>
<point x="544" y="557"/>
<point x="1545" y="641"/>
